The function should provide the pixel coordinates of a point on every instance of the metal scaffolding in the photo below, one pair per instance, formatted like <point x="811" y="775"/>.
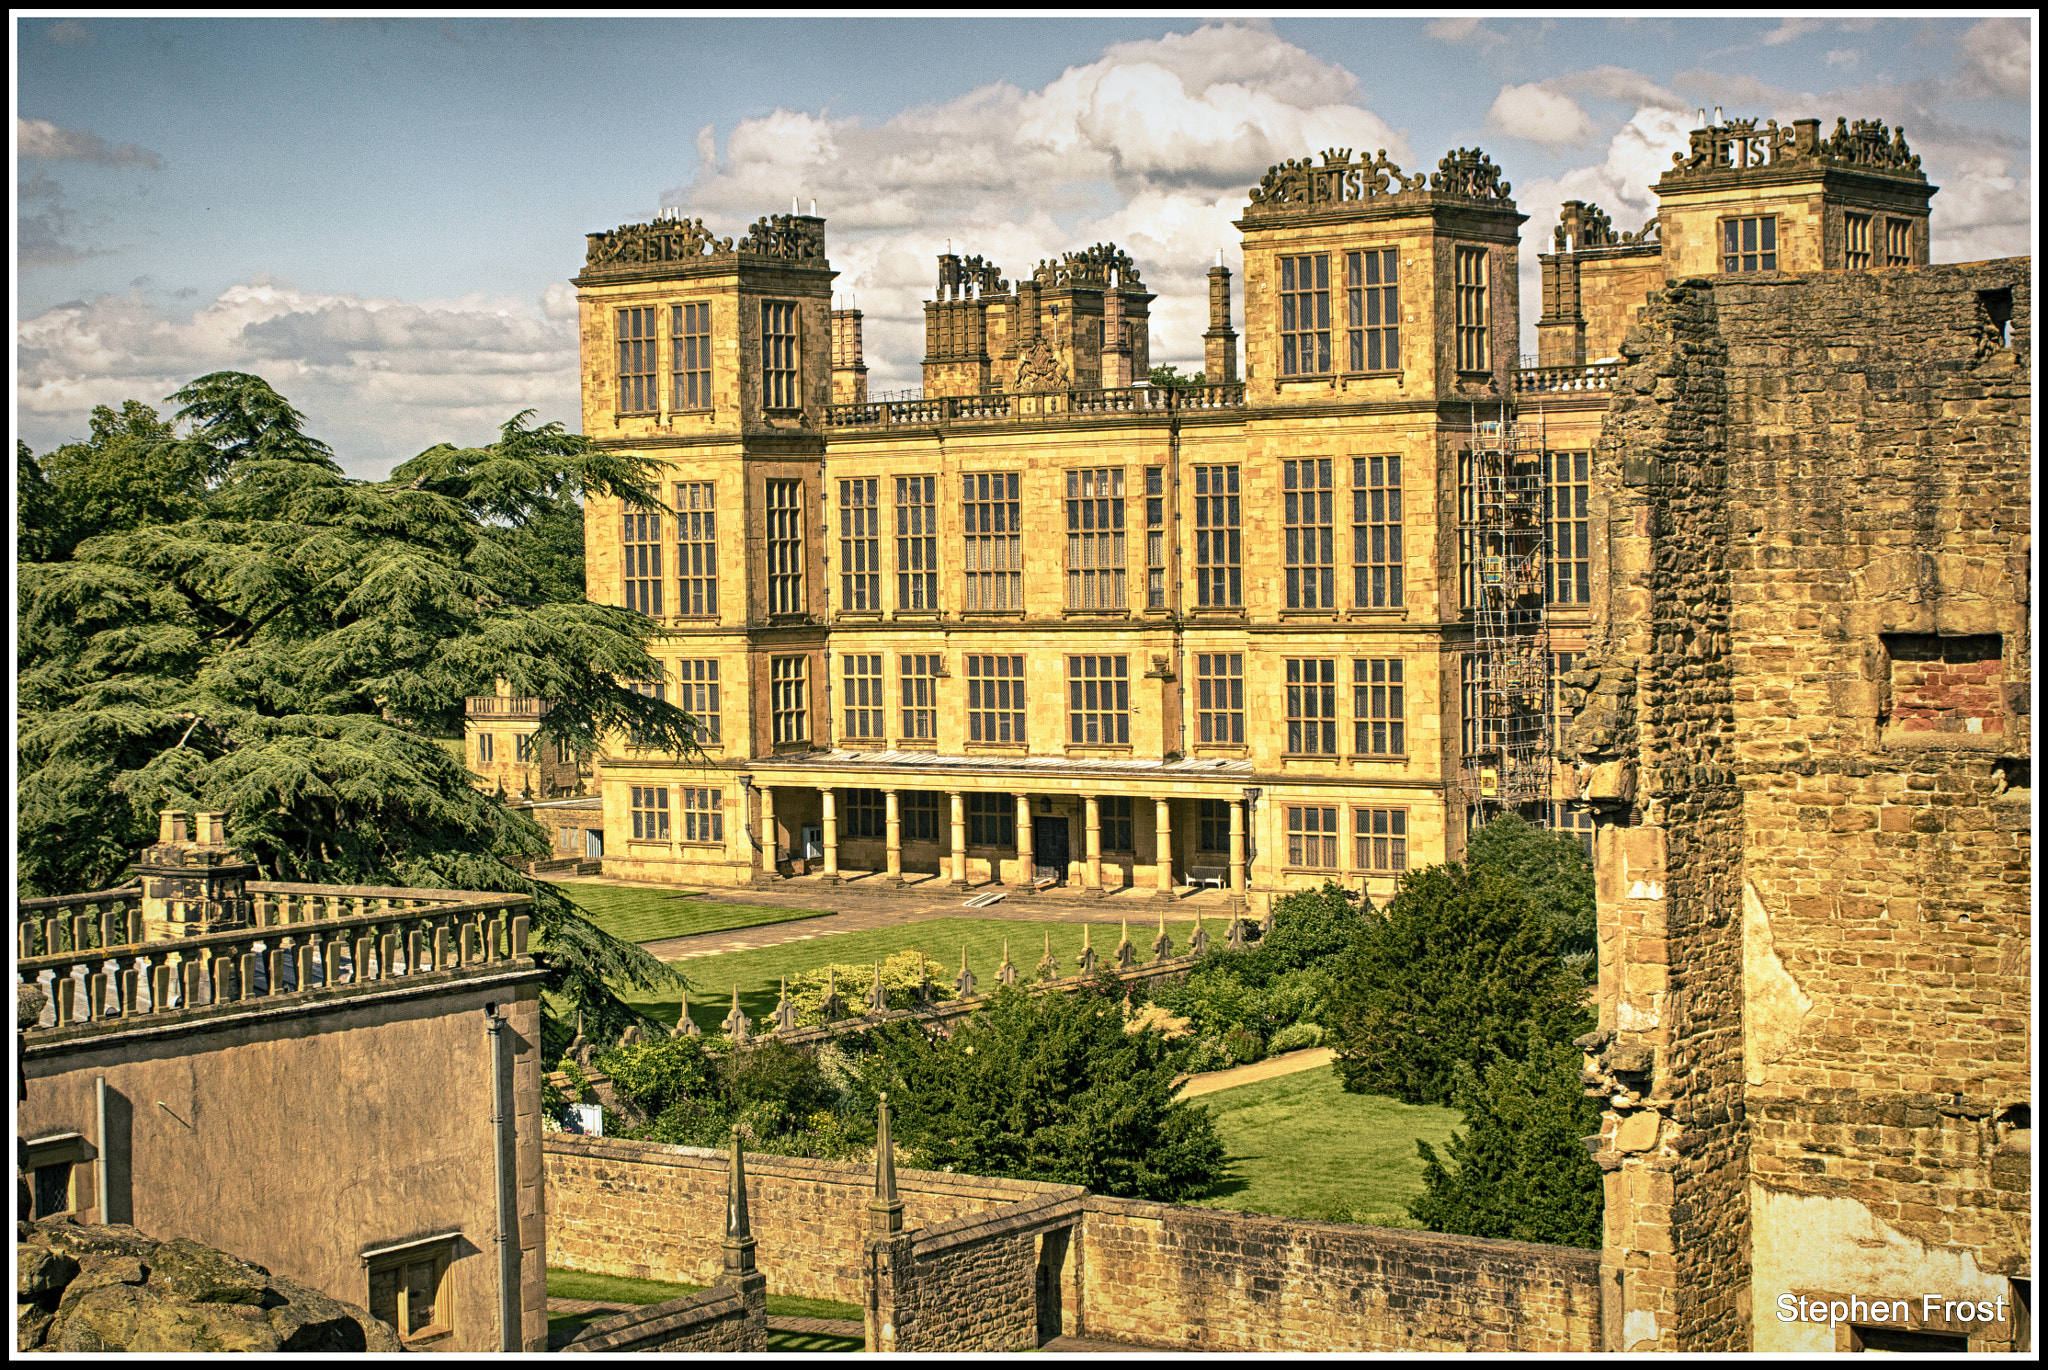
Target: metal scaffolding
<point x="1506" y="669"/>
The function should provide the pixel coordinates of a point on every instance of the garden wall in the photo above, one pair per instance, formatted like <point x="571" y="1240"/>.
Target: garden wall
<point x="730" y="1317"/>
<point x="1170" y="1275"/>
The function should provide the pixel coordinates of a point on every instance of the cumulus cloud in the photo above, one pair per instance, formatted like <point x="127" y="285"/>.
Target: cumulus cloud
<point x="1998" y="54"/>
<point x="379" y="379"/>
<point x="43" y="226"/>
<point x="43" y="140"/>
<point x="1538" y="114"/>
<point x="1153" y="146"/>
<point x="1788" y="30"/>
<point x="1472" y="31"/>
<point x="1844" y="57"/>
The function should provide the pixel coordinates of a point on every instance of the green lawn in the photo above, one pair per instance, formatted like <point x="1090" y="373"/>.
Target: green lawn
<point x="652" y="914"/>
<point x="1300" y="1147"/>
<point x="582" y="1284"/>
<point x="759" y="972"/>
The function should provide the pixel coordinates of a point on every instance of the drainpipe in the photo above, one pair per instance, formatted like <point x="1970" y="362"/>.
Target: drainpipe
<point x="504" y="1177"/>
<point x="99" y="1162"/>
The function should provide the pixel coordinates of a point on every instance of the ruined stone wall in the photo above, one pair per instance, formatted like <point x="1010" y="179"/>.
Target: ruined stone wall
<point x="1814" y="932"/>
<point x="1169" y="1275"/>
<point x="976" y="1281"/>
<point x="727" y="1317"/>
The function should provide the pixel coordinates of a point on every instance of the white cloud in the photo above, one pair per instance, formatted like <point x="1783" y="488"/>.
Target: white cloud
<point x="68" y="31"/>
<point x="1844" y="57"/>
<point x="1472" y="31"/>
<point x="1539" y="115"/>
<point x="1790" y="29"/>
<point x="1999" y="54"/>
<point x="41" y="139"/>
<point x="379" y="379"/>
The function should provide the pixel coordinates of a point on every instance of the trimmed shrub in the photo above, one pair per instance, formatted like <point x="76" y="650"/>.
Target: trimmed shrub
<point x="1296" y="1038"/>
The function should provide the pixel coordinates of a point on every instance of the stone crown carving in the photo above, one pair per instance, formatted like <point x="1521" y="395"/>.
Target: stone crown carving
<point x="964" y="278"/>
<point x="1300" y="184"/>
<point x="1583" y="224"/>
<point x="1090" y="268"/>
<point x="785" y="237"/>
<point x="1740" y="145"/>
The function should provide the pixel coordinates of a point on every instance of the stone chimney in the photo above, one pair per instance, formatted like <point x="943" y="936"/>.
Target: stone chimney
<point x="1116" y="340"/>
<point x="192" y="881"/>
<point x="849" y="368"/>
<point x="1219" y="344"/>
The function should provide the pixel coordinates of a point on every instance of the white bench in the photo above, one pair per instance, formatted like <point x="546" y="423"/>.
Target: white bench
<point x="1217" y="877"/>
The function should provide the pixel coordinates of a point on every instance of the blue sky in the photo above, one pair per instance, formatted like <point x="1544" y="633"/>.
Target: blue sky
<point x="381" y="216"/>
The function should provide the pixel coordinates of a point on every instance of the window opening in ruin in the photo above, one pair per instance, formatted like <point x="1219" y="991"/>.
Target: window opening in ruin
<point x="640" y="541"/>
<point x="1379" y="707"/>
<point x="786" y="547"/>
<point x="1155" y="537"/>
<point x="917" y="681"/>
<point x="1373" y="310"/>
<point x="1099" y="700"/>
<point x="409" y="1290"/>
<point x="1219" y="698"/>
<point x="1382" y="839"/>
<point x="1312" y="837"/>
<point x="789" y="698"/>
<point x="995" y="698"/>
<point x="690" y="354"/>
<point x="1095" y="539"/>
<point x="2017" y="772"/>
<point x="1469" y="283"/>
<point x="1943" y="687"/>
<point x="1376" y="553"/>
<point x="1311" y="706"/>
<point x="1998" y="308"/>
<point x="862" y="696"/>
<point x="639" y="392"/>
<point x="991" y="820"/>
<point x="697" y="694"/>
<point x="992" y="521"/>
<point x="917" y="544"/>
<point x="1898" y="242"/>
<point x="1219" y="548"/>
<point x="1311" y="535"/>
<point x="1856" y="244"/>
<point x="1305" y="314"/>
<point x="860" y="546"/>
<point x="696" y="549"/>
<point x="650" y="813"/>
<point x="1750" y="244"/>
<point x="778" y="354"/>
<point x="703" y="814"/>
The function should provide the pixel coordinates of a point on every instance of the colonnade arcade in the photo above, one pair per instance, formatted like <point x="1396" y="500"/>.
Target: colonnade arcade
<point x="1100" y="840"/>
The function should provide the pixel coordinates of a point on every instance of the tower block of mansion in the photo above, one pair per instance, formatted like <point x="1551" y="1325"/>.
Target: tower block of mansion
<point x="1049" y="622"/>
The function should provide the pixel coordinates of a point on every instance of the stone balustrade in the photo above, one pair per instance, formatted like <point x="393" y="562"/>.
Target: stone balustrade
<point x="1541" y="380"/>
<point x="502" y="706"/>
<point x="304" y="938"/>
<point x="1135" y="399"/>
<point x="78" y="922"/>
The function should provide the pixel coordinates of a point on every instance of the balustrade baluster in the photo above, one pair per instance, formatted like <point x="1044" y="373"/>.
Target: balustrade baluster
<point x="387" y="949"/>
<point x="273" y="979"/>
<point x="520" y="924"/>
<point x="223" y="978"/>
<point x="302" y="966"/>
<point x="246" y="966"/>
<point x="412" y="951"/>
<point x="28" y="938"/>
<point x="193" y="976"/>
<point x="134" y="925"/>
<point x="81" y="931"/>
<point x="360" y="970"/>
<point x="50" y="947"/>
<point x="159" y="987"/>
<point x="491" y="933"/>
<point x="67" y="1000"/>
<point x="130" y="983"/>
<point x="96" y="995"/>
<point x="441" y="943"/>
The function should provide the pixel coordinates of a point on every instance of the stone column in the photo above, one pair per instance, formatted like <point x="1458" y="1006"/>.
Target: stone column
<point x="1164" y="856"/>
<point x="1219" y="344"/>
<point x="959" y="881"/>
<point x="1236" y="854"/>
<point x="1093" y="878"/>
<point x="894" y="823"/>
<point x="768" y="844"/>
<point x="830" y="798"/>
<point x="1027" y="869"/>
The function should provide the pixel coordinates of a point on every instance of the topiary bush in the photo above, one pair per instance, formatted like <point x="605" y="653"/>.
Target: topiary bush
<point x="1297" y="1037"/>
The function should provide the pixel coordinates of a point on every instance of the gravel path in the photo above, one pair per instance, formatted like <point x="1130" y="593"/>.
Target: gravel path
<point x="1286" y="1064"/>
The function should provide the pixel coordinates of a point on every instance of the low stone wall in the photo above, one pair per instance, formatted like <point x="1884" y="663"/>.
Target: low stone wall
<point x="724" y="1318"/>
<point x="657" y="1212"/>
<point x="1170" y="1275"/>
<point x="976" y="1279"/>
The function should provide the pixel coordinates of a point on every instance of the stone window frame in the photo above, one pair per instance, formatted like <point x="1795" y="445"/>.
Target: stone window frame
<point x="1569" y="526"/>
<point x="436" y="1252"/>
<point x="1114" y="815"/>
<point x="697" y="695"/>
<point x="917" y="695"/>
<point x="785" y="504"/>
<point x="1472" y="327"/>
<point x="1322" y="832"/>
<point x="1314" y="298"/>
<point x="919" y="812"/>
<point x="1311" y="706"/>
<point x="648" y="807"/>
<point x="789" y="699"/>
<point x="917" y="544"/>
<point x="690" y="356"/>
<point x="1099" y="698"/>
<point x="653" y="689"/>
<point x="696" y="549"/>
<point x="1097" y="543"/>
<point x="1212" y="825"/>
<point x="781" y="356"/>
<point x="522" y="749"/>
<point x="1380" y="837"/>
<point x="640" y="574"/>
<point x="639" y="373"/>
<point x="863" y="815"/>
<point x="1219" y="674"/>
<point x="991" y="820"/>
<point x="1856" y="241"/>
<point x="1378" y="549"/>
<point x="1310" y="548"/>
<point x="1736" y="246"/>
<point x="862" y="711"/>
<point x="66" y="1150"/>
<point x="703" y="813"/>
<point x="486" y="749"/>
<point x="1898" y="241"/>
<point x="992" y="543"/>
<point x="860" y="545"/>
<point x="1372" y="289"/>
<point x="995" y="699"/>
<point x="1387" y="710"/>
<point x="1155" y="537"/>
<point x="1219" y="536"/>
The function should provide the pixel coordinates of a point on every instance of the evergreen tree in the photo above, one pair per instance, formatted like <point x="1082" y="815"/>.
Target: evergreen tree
<point x="1457" y="969"/>
<point x="1554" y="872"/>
<point x="1519" y="1169"/>
<point x="266" y="637"/>
<point x="1051" y="1088"/>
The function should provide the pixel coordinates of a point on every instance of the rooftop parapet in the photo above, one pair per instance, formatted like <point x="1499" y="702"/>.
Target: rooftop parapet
<point x="1739" y="145"/>
<point x="1298" y="186"/>
<point x="791" y="238"/>
<point x="1583" y="226"/>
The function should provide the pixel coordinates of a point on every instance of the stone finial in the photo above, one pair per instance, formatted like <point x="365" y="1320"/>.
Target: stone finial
<point x="885" y="1210"/>
<point x="1198" y="940"/>
<point x="1126" y="954"/>
<point x="785" y="1011"/>
<point x="1007" y="973"/>
<point x="924" y="983"/>
<point x="1048" y="966"/>
<point x="737" y="1024"/>
<point x="878" y="997"/>
<point x="739" y="1236"/>
<point x="834" y="1008"/>
<point x="1087" y="958"/>
<point x="686" y="1026"/>
<point x="965" y="980"/>
<point x="633" y="1036"/>
<point x="1233" y="935"/>
<point x="1162" y="945"/>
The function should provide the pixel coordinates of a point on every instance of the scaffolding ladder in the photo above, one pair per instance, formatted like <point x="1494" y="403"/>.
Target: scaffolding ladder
<point x="1506" y="669"/>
